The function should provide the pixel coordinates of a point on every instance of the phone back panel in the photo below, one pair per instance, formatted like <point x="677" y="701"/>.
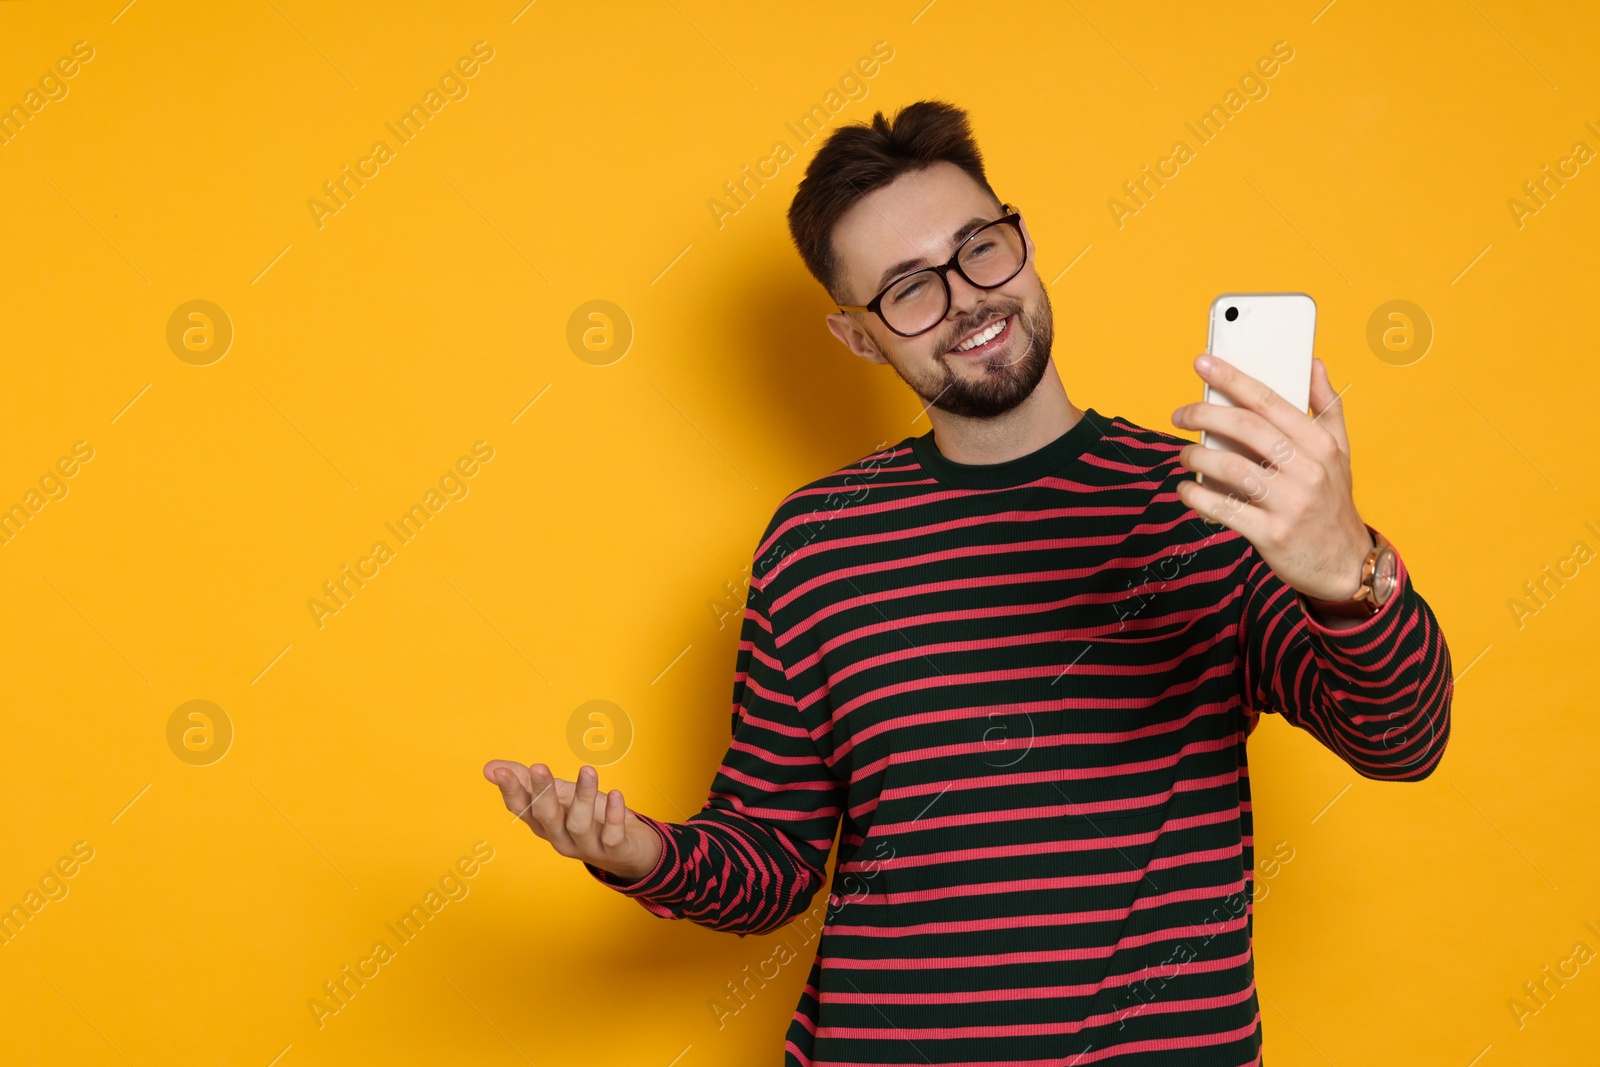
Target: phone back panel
<point x="1270" y="340"/>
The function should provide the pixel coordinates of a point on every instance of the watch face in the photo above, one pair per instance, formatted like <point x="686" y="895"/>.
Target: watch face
<point x="1384" y="574"/>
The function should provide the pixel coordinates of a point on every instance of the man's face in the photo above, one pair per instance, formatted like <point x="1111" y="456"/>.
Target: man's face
<point x="917" y="221"/>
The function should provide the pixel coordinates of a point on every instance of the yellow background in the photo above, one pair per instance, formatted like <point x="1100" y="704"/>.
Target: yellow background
<point x="588" y="559"/>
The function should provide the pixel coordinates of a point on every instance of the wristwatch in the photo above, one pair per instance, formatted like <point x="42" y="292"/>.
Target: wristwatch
<point x="1379" y="575"/>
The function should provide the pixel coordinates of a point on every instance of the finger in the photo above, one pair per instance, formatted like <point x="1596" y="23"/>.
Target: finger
<point x="614" y="832"/>
<point x="1244" y="426"/>
<point x="1328" y="405"/>
<point x="1254" y="394"/>
<point x="1226" y="509"/>
<point x="493" y="767"/>
<point x="1230" y="474"/>
<point x="547" y="808"/>
<point x="580" y="814"/>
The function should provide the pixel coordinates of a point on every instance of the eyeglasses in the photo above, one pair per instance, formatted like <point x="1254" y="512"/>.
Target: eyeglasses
<point x="990" y="256"/>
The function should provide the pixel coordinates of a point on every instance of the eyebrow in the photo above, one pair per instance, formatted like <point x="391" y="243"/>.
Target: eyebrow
<point x="967" y="229"/>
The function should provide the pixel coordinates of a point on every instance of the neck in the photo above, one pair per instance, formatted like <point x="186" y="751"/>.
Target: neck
<point x="1028" y="427"/>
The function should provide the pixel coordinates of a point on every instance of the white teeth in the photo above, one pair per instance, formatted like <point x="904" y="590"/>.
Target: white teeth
<point x="982" y="338"/>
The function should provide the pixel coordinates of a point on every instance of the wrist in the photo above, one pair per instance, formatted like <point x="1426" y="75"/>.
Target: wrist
<point x="1350" y="569"/>
<point x="1376" y="583"/>
<point x="645" y="853"/>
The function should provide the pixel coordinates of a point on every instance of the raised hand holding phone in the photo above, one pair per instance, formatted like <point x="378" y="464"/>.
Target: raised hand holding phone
<point x="1291" y="495"/>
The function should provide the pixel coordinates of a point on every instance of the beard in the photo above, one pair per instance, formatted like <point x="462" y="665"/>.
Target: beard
<point x="1007" y="380"/>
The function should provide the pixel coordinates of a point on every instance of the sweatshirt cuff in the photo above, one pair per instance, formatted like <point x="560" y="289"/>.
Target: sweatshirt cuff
<point x="1381" y="645"/>
<point x="668" y="866"/>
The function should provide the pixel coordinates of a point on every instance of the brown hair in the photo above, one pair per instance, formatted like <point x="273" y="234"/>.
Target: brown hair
<point x="859" y="158"/>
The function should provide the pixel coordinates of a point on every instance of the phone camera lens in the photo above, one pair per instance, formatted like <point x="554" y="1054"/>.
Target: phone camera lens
<point x="1231" y="314"/>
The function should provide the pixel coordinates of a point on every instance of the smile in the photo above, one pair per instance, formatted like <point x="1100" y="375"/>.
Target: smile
<point x="985" y="340"/>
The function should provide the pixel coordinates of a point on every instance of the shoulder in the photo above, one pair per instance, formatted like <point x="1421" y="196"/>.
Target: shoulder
<point x="1149" y="460"/>
<point x="1138" y="449"/>
<point x="809" y="512"/>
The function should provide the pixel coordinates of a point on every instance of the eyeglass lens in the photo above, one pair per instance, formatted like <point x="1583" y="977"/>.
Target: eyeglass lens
<point x="992" y="257"/>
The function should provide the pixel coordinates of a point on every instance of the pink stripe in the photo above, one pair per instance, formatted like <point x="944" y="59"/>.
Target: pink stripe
<point x="1204" y="709"/>
<point x="1059" y="955"/>
<point x="930" y="1033"/>
<point x="1056" y="811"/>
<point x="1012" y="674"/>
<point x="1085" y="1057"/>
<point x="1039" y="885"/>
<point x="1050" y="919"/>
<point x="1041" y="848"/>
<point x="980" y="996"/>
<point x="1060" y="543"/>
<point x="989" y="581"/>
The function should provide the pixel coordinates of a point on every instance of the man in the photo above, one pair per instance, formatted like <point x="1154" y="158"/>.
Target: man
<point x="1015" y="660"/>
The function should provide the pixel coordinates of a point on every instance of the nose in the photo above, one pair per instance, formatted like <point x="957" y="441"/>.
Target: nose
<point x="965" y="297"/>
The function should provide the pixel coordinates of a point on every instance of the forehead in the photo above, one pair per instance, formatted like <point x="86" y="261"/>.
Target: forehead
<point x="913" y="217"/>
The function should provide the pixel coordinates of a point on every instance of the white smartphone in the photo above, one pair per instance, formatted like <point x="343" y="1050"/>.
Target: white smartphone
<point x="1268" y="336"/>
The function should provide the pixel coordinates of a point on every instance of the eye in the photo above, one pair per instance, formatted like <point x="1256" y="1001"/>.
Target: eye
<point x="909" y="290"/>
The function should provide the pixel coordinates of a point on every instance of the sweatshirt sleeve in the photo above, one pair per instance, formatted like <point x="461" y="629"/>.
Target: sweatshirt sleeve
<point x="753" y="857"/>
<point x="1377" y="694"/>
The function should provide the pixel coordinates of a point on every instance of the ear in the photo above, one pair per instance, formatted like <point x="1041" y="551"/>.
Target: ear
<point x="852" y="336"/>
<point x="1027" y="240"/>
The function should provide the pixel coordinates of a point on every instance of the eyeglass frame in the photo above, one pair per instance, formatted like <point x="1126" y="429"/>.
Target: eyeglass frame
<point x="1013" y="217"/>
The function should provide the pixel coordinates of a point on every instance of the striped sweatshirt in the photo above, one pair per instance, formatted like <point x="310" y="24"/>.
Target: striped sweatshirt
<point x="1019" y="694"/>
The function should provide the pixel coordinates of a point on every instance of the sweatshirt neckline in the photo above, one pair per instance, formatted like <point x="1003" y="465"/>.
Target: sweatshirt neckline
<point x="1065" y="449"/>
